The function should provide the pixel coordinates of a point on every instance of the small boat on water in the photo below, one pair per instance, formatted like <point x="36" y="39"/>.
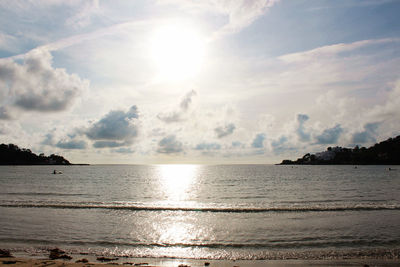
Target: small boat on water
<point x="57" y="172"/>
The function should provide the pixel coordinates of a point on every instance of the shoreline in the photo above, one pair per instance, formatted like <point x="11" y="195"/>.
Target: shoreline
<point x="65" y="259"/>
<point x="164" y="262"/>
<point x="315" y="254"/>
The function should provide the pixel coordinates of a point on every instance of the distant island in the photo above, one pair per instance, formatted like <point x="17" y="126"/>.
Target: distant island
<point x="383" y="153"/>
<point x="13" y="155"/>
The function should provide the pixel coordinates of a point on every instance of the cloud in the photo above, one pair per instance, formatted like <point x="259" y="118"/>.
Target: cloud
<point x="280" y="145"/>
<point x="7" y="42"/>
<point x="169" y="145"/>
<point x="368" y="135"/>
<point x="117" y="128"/>
<point x="83" y="17"/>
<point x="340" y="67"/>
<point x="330" y="136"/>
<point x="225" y="130"/>
<point x="390" y="109"/>
<point x="4" y="114"/>
<point x="238" y="13"/>
<point x="67" y="17"/>
<point x="34" y="85"/>
<point x="208" y="146"/>
<point x="241" y="13"/>
<point x="301" y="133"/>
<point x="327" y="52"/>
<point x="258" y="141"/>
<point x="350" y="4"/>
<point x="123" y="150"/>
<point x="187" y="99"/>
<point x="169" y="117"/>
<point x="343" y="63"/>
<point x="178" y="115"/>
<point x="72" y="144"/>
<point x="103" y="144"/>
<point x="48" y="139"/>
<point x="237" y="144"/>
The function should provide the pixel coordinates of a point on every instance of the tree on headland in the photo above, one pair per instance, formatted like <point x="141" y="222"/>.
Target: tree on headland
<point x="13" y="155"/>
<point x="383" y="153"/>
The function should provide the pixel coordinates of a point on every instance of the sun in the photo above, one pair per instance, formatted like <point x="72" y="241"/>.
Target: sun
<point x="177" y="51"/>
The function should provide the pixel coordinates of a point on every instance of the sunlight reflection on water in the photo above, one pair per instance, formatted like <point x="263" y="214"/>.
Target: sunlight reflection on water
<point x="177" y="181"/>
<point x="177" y="233"/>
<point x="178" y="186"/>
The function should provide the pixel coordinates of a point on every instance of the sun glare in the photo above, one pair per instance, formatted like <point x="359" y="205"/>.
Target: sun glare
<point x="176" y="180"/>
<point x="177" y="52"/>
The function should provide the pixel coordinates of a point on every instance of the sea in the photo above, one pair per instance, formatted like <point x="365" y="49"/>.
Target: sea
<point x="228" y="212"/>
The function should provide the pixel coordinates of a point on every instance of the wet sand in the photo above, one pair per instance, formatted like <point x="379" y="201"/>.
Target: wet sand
<point x="57" y="258"/>
<point x="148" y="262"/>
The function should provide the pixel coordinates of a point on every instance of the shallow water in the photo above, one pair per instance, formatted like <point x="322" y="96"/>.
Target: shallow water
<point x="197" y="211"/>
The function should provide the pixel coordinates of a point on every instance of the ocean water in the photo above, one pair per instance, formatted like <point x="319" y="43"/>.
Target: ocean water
<point x="202" y="211"/>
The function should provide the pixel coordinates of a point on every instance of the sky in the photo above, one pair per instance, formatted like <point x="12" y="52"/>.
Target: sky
<point x="206" y="82"/>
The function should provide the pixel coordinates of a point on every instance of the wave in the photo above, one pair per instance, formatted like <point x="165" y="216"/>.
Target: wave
<point x="315" y="208"/>
<point x="42" y="194"/>
<point x="272" y="244"/>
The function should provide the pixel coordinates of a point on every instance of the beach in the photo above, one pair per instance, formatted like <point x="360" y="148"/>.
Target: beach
<point x="57" y="257"/>
<point x="28" y="262"/>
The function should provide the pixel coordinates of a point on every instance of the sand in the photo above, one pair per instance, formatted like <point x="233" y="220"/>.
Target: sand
<point x="25" y="262"/>
<point x="61" y="258"/>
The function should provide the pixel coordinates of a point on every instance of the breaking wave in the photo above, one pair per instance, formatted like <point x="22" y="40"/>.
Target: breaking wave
<point x="294" y="208"/>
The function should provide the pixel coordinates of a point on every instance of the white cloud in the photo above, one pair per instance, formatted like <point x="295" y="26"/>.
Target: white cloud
<point x="239" y="13"/>
<point x="7" y="42"/>
<point x="241" y="99"/>
<point x="34" y="85"/>
<point x="83" y="17"/>
<point x="178" y="115"/>
<point x="362" y="65"/>
<point x="329" y="51"/>
<point x="390" y="109"/>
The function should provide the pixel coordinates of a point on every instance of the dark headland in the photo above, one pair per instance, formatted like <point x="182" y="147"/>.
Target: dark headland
<point x="13" y="155"/>
<point x="383" y="153"/>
